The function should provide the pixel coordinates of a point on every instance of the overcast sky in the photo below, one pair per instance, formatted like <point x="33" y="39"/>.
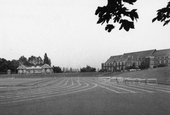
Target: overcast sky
<point x="67" y="31"/>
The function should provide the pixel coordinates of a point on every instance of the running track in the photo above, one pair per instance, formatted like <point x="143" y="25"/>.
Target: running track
<point x="59" y="88"/>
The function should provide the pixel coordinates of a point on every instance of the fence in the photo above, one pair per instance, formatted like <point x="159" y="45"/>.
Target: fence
<point x="126" y="81"/>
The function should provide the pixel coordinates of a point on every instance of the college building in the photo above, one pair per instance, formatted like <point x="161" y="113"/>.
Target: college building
<point x="22" y="69"/>
<point x="137" y="60"/>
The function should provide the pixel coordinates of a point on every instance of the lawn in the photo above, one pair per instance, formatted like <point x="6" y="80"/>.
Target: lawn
<point x="162" y="74"/>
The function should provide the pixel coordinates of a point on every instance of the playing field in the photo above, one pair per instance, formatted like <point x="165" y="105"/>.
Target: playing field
<point x="81" y="96"/>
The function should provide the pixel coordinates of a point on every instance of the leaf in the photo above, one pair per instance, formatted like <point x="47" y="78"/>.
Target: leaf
<point x="109" y="27"/>
<point x="101" y="20"/>
<point x="107" y="17"/>
<point x="98" y="10"/>
<point x="126" y="25"/>
<point x="166" y="22"/>
<point x="116" y="19"/>
<point x="134" y="14"/>
<point x="154" y="19"/>
<point x="168" y="5"/>
<point x="129" y="1"/>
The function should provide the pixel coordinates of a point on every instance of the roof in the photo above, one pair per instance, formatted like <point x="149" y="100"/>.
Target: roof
<point x="140" y="54"/>
<point x="132" y="55"/>
<point x="113" y="59"/>
<point x="165" y="52"/>
<point x="34" y="67"/>
<point x="22" y="67"/>
<point x="45" y="66"/>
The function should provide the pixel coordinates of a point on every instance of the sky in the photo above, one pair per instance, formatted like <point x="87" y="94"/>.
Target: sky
<point x="67" y="31"/>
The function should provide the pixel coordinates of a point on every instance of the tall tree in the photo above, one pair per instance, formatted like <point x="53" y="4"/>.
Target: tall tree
<point x="23" y="60"/>
<point x="47" y="60"/>
<point x="35" y="60"/>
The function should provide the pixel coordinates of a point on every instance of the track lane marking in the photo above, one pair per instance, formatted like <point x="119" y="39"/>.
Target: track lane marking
<point x="29" y="99"/>
<point x="46" y="93"/>
<point x="41" y="93"/>
<point x="9" y="94"/>
<point x="134" y="88"/>
<point x="117" y="87"/>
<point x="152" y="88"/>
<point x="103" y="86"/>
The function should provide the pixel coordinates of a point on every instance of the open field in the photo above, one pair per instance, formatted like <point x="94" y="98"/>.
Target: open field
<point x="81" y="96"/>
<point x="86" y="74"/>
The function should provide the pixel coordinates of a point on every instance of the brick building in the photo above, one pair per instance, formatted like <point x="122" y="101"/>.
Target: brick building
<point x="149" y="58"/>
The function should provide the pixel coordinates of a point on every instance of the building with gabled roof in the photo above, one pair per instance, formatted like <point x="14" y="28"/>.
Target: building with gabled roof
<point x="149" y="58"/>
<point x="22" y="69"/>
<point x="162" y="57"/>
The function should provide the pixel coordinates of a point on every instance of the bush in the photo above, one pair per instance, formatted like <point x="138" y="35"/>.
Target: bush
<point x="56" y="69"/>
<point x="103" y="70"/>
<point x="88" y="69"/>
<point x="162" y="65"/>
<point x="143" y="66"/>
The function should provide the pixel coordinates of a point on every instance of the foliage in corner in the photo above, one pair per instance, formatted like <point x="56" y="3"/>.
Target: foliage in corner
<point x="163" y="15"/>
<point x="116" y="12"/>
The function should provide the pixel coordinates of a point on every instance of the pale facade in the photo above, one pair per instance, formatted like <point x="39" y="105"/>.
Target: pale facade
<point x="35" y="69"/>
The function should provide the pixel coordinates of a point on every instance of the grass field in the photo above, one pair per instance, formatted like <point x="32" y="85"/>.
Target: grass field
<point x="162" y="74"/>
<point x="73" y="94"/>
<point x="81" y="96"/>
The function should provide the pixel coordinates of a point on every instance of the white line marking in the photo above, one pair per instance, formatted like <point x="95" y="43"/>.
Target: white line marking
<point x="118" y="87"/>
<point x="109" y="89"/>
<point x="29" y="99"/>
<point x="45" y="93"/>
<point x="151" y="88"/>
<point x="135" y="88"/>
<point x="103" y="86"/>
<point x="41" y="93"/>
<point x="159" y="87"/>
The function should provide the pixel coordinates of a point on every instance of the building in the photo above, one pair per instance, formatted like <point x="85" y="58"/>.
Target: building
<point x="22" y="69"/>
<point x="162" y="57"/>
<point x="148" y="59"/>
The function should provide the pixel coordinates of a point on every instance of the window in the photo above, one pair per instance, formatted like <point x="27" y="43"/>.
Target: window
<point x="164" y="61"/>
<point x="137" y="63"/>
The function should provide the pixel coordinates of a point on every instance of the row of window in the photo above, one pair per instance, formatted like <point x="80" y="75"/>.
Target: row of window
<point x="114" y="64"/>
<point x="163" y="61"/>
<point x="136" y="63"/>
<point x="163" y="57"/>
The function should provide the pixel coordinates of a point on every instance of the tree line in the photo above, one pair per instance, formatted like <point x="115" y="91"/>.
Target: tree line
<point x="88" y="69"/>
<point x="31" y="61"/>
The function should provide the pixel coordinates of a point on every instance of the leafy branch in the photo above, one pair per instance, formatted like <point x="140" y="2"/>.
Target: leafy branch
<point x="163" y="15"/>
<point x="116" y="11"/>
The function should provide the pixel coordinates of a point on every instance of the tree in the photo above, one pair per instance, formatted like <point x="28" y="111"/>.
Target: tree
<point x="88" y="69"/>
<point x="14" y="65"/>
<point x="47" y="60"/>
<point x="116" y="12"/>
<point x="163" y="15"/>
<point x="7" y="64"/>
<point x="23" y="60"/>
<point x="33" y="60"/>
<point x="56" y="69"/>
